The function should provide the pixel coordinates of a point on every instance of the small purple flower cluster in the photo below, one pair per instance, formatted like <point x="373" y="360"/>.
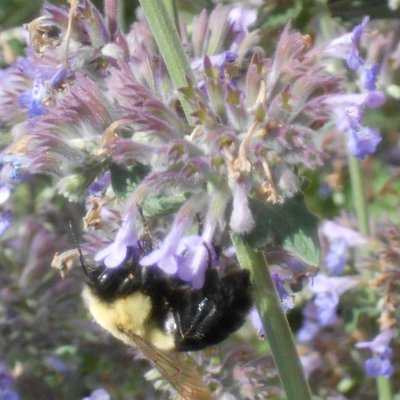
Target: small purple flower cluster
<point x="254" y="116"/>
<point x="349" y="108"/>
<point x="380" y="364"/>
<point x="340" y="240"/>
<point x="7" y="390"/>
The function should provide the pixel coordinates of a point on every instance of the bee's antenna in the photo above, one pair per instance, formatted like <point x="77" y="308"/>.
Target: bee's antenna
<point x="81" y="259"/>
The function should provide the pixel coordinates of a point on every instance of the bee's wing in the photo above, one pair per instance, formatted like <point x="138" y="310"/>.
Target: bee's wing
<point x="183" y="378"/>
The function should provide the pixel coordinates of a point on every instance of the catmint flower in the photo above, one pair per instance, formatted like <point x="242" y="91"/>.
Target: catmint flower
<point x="241" y="19"/>
<point x="336" y="258"/>
<point x="347" y="46"/>
<point x="5" y="193"/>
<point x="257" y="323"/>
<point x="369" y="74"/>
<point x="340" y="240"/>
<point x="286" y="299"/>
<point x="5" y="221"/>
<point x="242" y="220"/>
<point x="217" y="60"/>
<point x="379" y="364"/>
<point x="99" y="185"/>
<point x="308" y="330"/>
<point x="363" y="142"/>
<point x="33" y="99"/>
<point x="115" y="253"/>
<point x="44" y="80"/>
<point x="335" y="231"/>
<point x="252" y="128"/>
<point x="188" y="256"/>
<point x="326" y="304"/>
<point x="7" y="391"/>
<point x="98" y="394"/>
<point x="321" y="312"/>
<point x="174" y="246"/>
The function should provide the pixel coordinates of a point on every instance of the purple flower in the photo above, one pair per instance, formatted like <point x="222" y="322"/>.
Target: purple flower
<point x="101" y="184"/>
<point x="349" y="113"/>
<point x="348" y="108"/>
<point x="242" y="220"/>
<point x="187" y="256"/>
<point x="308" y="330"/>
<point x="321" y="311"/>
<point x="44" y="78"/>
<point x="257" y="323"/>
<point x="346" y="46"/>
<point x="336" y="258"/>
<point x="343" y="103"/>
<point x="334" y="231"/>
<point x="7" y="391"/>
<point x="33" y="99"/>
<point x="217" y="60"/>
<point x="363" y="142"/>
<point x="5" y="221"/>
<point x="241" y="19"/>
<point x="326" y="304"/>
<point x="338" y="285"/>
<point x="380" y="344"/>
<point x="379" y="364"/>
<point x="58" y="78"/>
<point x="4" y="193"/>
<point x="369" y="74"/>
<point x="167" y="255"/>
<point x="115" y="253"/>
<point x="99" y="394"/>
<point x="340" y="239"/>
<point x="286" y="299"/>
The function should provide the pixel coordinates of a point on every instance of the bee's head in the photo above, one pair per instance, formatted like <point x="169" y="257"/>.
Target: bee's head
<point x="107" y="282"/>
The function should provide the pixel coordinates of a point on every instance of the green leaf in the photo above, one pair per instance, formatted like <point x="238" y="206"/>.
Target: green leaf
<point x="125" y="179"/>
<point x="290" y="226"/>
<point x="156" y="207"/>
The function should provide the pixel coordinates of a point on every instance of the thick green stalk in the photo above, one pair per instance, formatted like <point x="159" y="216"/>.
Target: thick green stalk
<point x="279" y="334"/>
<point x="384" y="388"/>
<point x="359" y="200"/>
<point x="361" y="207"/>
<point x="171" y="7"/>
<point x="168" y="42"/>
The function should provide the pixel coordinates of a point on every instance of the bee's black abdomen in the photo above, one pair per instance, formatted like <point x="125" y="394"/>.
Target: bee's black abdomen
<point x="208" y="316"/>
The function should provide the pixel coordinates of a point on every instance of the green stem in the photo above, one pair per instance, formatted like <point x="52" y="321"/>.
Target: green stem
<point x="384" y="388"/>
<point x="361" y="207"/>
<point x="170" y="5"/>
<point x="359" y="198"/>
<point x="274" y="320"/>
<point x="168" y="42"/>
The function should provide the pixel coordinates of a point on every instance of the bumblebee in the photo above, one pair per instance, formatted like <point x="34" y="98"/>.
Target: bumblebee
<point x="157" y="313"/>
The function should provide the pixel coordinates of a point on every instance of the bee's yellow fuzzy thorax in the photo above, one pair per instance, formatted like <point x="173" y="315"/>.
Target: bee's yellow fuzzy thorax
<point x="132" y="314"/>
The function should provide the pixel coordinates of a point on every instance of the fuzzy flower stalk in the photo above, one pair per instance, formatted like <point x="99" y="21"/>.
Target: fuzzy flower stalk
<point x="97" y="110"/>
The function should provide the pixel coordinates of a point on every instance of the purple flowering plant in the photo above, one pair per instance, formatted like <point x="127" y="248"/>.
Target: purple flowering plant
<point x="196" y="129"/>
